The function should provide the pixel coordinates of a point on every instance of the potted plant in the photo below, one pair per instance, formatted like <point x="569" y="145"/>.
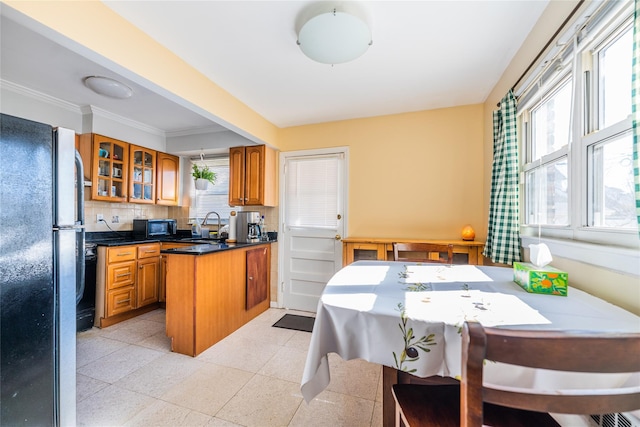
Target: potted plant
<point x="203" y="176"/>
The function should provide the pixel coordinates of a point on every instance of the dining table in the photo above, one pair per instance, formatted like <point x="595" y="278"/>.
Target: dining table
<point x="408" y="317"/>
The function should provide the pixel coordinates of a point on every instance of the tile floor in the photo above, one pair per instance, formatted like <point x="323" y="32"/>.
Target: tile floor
<point x="127" y="376"/>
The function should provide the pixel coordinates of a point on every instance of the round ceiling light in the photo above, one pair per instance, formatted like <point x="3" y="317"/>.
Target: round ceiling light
<point x="334" y="37"/>
<point x="108" y="87"/>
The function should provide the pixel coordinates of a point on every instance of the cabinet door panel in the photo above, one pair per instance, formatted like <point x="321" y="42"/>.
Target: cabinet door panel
<point x="254" y="173"/>
<point x="142" y="167"/>
<point x="167" y="179"/>
<point x="148" y="279"/>
<point x="257" y="276"/>
<point x="109" y="169"/>
<point x="236" y="176"/>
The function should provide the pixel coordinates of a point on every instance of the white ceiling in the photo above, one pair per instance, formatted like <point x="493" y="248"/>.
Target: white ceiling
<point x="425" y="55"/>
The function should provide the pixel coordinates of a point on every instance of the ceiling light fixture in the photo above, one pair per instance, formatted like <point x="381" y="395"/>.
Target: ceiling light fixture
<point x="334" y="37"/>
<point x="108" y="87"/>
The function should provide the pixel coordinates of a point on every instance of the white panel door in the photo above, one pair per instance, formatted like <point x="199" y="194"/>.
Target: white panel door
<point x="312" y="211"/>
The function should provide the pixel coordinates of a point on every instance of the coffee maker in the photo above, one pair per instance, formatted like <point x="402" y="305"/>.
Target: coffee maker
<point x="248" y="227"/>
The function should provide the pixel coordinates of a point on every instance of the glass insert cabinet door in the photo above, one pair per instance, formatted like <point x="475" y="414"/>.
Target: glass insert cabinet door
<point x="143" y="175"/>
<point x="110" y="169"/>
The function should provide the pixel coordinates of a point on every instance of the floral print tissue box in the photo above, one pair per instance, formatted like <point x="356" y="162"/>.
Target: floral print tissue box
<point x="544" y="280"/>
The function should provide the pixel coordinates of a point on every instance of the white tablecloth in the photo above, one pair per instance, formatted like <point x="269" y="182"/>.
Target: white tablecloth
<point x="408" y="316"/>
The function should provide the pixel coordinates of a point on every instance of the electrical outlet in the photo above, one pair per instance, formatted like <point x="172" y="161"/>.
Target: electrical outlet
<point x="99" y="217"/>
<point x="115" y="219"/>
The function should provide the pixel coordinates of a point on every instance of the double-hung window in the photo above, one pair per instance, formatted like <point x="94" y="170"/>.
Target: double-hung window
<point x="216" y="196"/>
<point x="576" y="136"/>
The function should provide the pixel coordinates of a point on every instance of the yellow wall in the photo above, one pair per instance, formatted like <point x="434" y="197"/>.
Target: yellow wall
<point x="410" y="175"/>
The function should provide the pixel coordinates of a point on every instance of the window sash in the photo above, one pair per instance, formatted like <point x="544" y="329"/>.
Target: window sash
<point x="216" y="197"/>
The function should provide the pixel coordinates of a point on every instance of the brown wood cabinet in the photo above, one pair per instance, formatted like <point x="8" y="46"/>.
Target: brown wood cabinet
<point x="124" y="172"/>
<point x="257" y="280"/>
<point x="253" y="176"/>
<point x="207" y="295"/>
<point x="167" y="190"/>
<point x="106" y="164"/>
<point x="358" y="248"/>
<point x="127" y="282"/>
<point x="142" y="180"/>
<point x="163" y="268"/>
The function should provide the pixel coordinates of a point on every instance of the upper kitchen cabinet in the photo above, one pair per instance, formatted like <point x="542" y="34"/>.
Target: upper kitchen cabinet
<point x="142" y="165"/>
<point x="167" y="174"/>
<point x="106" y="163"/>
<point x="124" y="172"/>
<point x="252" y="176"/>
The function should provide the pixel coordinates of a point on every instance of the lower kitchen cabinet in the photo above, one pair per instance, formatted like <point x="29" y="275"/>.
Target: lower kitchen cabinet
<point x="127" y="282"/>
<point x="257" y="280"/>
<point x="207" y="295"/>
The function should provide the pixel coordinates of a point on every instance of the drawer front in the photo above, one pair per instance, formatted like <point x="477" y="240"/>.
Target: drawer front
<point x="122" y="253"/>
<point x="120" y="301"/>
<point x="149" y="251"/>
<point x="121" y="274"/>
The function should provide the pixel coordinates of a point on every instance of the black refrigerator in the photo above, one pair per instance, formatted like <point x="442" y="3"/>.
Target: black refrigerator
<point x="41" y="272"/>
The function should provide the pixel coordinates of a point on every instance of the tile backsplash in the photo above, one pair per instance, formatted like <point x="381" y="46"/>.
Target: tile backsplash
<point x="127" y="212"/>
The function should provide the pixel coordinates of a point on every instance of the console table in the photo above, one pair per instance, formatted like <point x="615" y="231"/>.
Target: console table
<point x="381" y="249"/>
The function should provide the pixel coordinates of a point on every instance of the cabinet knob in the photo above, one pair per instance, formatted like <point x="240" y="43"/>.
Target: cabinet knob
<point x="250" y="277"/>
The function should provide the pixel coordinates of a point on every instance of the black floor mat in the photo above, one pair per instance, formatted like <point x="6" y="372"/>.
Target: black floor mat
<point x="295" y="322"/>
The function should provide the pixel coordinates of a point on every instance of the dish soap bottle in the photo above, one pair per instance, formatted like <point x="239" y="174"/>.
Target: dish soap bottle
<point x="196" y="231"/>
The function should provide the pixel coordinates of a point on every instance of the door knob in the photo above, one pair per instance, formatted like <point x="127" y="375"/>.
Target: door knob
<point x="338" y="237"/>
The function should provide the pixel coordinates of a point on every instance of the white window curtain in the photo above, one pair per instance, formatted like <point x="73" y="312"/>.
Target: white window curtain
<point x="311" y="191"/>
<point x="215" y="197"/>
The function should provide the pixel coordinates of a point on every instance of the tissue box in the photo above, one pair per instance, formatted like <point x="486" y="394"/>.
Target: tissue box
<point x="540" y="280"/>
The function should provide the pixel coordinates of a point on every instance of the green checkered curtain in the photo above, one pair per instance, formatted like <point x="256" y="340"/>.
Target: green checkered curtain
<point x="503" y="236"/>
<point x="635" y="87"/>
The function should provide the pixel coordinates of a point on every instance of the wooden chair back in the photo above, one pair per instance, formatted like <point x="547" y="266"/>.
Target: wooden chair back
<point x="575" y="352"/>
<point x="423" y="252"/>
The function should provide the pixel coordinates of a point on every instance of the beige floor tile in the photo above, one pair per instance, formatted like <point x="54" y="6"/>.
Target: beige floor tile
<point x="217" y="422"/>
<point x="376" y="421"/>
<point x="356" y="377"/>
<point x="287" y="364"/>
<point x="155" y="379"/>
<point x="87" y="386"/>
<point x="263" y="402"/>
<point x="334" y="409"/>
<point x="91" y="347"/>
<point x="159" y="341"/>
<point x="299" y="340"/>
<point x="158" y="315"/>
<point x="119" y="364"/>
<point x="161" y="413"/>
<point x="208" y="389"/>
<point x="239" y="352"/>
<point x="111" y="406"/>
<point x="265" y="332"/>
<point x="134" y="332"/>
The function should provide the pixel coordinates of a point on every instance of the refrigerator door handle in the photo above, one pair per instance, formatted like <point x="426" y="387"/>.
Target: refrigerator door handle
<point x="80" y="261"/>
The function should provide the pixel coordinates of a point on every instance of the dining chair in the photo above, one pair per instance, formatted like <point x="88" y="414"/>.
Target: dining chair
<point x="473" y="404"/>
<point x="423" y="252"/>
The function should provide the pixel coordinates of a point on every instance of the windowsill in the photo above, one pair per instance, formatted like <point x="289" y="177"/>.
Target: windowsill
<point x="619" y="259"/>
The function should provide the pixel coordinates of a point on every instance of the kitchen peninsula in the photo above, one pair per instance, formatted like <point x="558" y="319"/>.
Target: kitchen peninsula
<point x="212" y="290"/>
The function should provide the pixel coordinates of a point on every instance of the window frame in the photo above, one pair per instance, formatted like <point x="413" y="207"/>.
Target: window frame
<point x="609" y="247"/>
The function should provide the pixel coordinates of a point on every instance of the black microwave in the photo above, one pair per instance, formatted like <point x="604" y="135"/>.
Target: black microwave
<point x="147" y="228"/>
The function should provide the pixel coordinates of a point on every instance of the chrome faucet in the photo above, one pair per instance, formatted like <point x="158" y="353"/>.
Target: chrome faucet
<point x="206" y="218"/>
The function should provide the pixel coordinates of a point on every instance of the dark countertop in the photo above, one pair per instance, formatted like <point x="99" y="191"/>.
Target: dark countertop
<point x="200" y="246"/>
<point x="207" y="248"/>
